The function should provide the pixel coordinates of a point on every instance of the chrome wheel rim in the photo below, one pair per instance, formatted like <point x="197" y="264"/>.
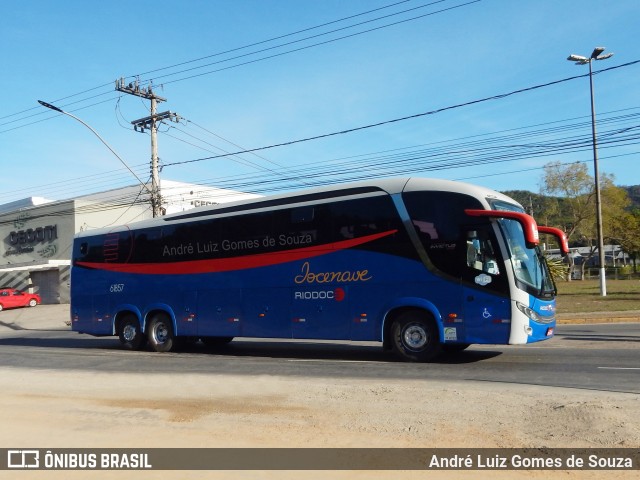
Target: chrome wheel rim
<point x="161" y="332"/>
<point x="129" y="332"/>
<point x="415" y="337"/>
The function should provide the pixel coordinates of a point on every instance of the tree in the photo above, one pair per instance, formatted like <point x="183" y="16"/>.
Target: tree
<point x="575" y="209"/>
<point x="627" y="235"/>
<point x="570" y="205"/>
<point x="574" y="187"/>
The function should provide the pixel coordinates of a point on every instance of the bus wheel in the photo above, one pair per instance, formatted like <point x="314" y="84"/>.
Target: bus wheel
<point x="414" y="337"/>
<point x="129" y="333"/>
<point x="160" y="333"/>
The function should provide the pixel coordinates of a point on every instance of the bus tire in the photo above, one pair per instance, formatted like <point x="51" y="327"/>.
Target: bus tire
<point x="129" y="333"/>
<point x="160" y="333"/>
<point x="414" y="337"/>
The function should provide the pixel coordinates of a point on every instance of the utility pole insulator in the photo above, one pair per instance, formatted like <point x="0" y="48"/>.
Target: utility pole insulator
<point x="146" y="123"/>
<point x="133" y="88"/>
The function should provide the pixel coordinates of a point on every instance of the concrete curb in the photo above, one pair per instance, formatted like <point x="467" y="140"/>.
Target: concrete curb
<point x="606" y="317"/>
<point x="629" y="316"/>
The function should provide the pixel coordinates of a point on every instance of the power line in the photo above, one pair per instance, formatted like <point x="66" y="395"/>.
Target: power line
<point x="67" y="105"/>
<point x="314" y="44"/>
<point x="104" y="177"/>
<point x="49" y="117"/>
<point x="231" y="143"/>
<point x="240" y="160"/>
<point x="541" y="168"/>
<point x="262" y="42"/>
<point x="413" y="157"/>
<point x="231" y="157"/>
<point x="401" y="119"/>
<point x="443" y="157"/>
<point x="56" y="101"/>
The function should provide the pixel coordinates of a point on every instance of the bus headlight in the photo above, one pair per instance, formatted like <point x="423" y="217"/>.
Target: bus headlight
<point x="528" y="312"/>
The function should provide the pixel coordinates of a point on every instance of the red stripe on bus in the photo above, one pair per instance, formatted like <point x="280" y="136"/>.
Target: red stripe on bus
<point x="233" y="263"/>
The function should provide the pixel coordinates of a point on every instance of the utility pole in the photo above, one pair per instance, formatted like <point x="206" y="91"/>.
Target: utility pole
<point x="149" y="123"/>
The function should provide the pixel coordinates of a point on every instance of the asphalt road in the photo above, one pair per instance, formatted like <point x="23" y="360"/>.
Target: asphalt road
<point x="603" y="357"/>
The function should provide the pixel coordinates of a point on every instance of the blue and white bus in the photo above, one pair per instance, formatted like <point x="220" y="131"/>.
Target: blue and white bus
<point x="420" y="265"/>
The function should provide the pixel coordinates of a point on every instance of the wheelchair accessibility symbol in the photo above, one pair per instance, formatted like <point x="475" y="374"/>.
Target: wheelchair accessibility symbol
<point x="486" y="314"/>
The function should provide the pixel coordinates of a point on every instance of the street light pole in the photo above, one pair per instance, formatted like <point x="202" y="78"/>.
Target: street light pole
<point x="580" y="60"/>
<point x="57" y="109"/>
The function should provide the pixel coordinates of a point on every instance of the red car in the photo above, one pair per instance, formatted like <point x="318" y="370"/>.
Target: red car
<point x="12" y="298"/>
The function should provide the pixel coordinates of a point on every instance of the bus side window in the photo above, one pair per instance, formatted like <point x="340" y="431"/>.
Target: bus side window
<point x="480" y="253"/>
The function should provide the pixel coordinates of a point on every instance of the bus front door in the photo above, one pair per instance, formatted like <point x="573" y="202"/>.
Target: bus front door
<point x="487" y="308"/>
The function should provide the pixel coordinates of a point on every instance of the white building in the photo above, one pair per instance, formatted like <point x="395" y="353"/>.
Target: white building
<point x="37" y="234"/>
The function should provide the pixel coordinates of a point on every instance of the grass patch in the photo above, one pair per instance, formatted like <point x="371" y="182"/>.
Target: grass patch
<point x="580" y="296"/>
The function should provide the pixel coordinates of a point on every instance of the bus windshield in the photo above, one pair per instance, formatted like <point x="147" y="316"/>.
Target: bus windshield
<point x="529" y="264"/>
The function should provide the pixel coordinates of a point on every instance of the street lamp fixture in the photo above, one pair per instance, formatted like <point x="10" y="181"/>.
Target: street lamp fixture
<point x="580" y="60"/>
<point x="58" y="109"/>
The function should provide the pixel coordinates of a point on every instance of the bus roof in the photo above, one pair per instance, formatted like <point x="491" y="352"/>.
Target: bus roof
<point x="389" y="186"/>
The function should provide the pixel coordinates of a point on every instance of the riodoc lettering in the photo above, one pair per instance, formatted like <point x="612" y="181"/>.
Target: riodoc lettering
<point x="328" y="294"/>
<point x="338" y="295"/>
<point x="309" y="277"/>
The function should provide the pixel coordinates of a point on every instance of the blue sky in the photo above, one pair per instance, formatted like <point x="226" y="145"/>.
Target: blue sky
<point x="70" y="53"/>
